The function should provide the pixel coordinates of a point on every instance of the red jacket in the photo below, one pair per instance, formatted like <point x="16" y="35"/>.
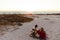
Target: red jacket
<point x="42" y="34"/>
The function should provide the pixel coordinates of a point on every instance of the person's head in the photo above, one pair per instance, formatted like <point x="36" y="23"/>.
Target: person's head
<point x="42" y="29"/>
<point x="36" y="26"/>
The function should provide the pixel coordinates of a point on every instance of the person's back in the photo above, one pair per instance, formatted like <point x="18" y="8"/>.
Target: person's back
<point x="42" y="34"/>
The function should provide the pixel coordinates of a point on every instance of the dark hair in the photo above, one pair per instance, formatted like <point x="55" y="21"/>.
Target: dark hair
<point x="36" y="26"/>
<point x="42" y="28"/>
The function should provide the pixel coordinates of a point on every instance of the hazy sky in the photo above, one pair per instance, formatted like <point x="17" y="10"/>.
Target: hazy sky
<point x="29" y="5"/>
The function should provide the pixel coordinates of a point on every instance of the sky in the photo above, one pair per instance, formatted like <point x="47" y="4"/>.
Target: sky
<point x="29" y="5"/>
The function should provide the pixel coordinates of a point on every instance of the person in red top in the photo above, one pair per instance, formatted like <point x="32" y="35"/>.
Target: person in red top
<point x="42" y="34"/>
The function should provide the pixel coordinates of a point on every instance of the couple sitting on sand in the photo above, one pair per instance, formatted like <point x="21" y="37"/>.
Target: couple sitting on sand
<point x="40" y="34"/>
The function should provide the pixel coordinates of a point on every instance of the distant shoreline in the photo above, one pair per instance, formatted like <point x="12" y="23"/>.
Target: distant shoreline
<point x="47" y="14"/>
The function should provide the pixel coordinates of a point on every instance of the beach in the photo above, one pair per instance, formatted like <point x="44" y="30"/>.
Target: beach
<point x="50" y="23"/>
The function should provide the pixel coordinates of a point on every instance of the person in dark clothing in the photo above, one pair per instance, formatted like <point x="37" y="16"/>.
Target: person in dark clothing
<point x="42" y="34"/>
<point x="35" y="29"/>
<point x="34" y="32"/>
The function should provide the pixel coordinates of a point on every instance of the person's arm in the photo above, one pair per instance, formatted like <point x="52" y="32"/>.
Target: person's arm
<point x="45" y="34"/>
<point x="38" y="31"/>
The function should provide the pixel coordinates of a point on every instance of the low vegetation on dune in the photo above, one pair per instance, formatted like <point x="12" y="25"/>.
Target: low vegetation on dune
<point x="13" y="19"/>
<point x="8" y="22"/>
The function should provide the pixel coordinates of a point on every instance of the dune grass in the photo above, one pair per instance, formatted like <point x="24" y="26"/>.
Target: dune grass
<point x="13" y="19"/>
